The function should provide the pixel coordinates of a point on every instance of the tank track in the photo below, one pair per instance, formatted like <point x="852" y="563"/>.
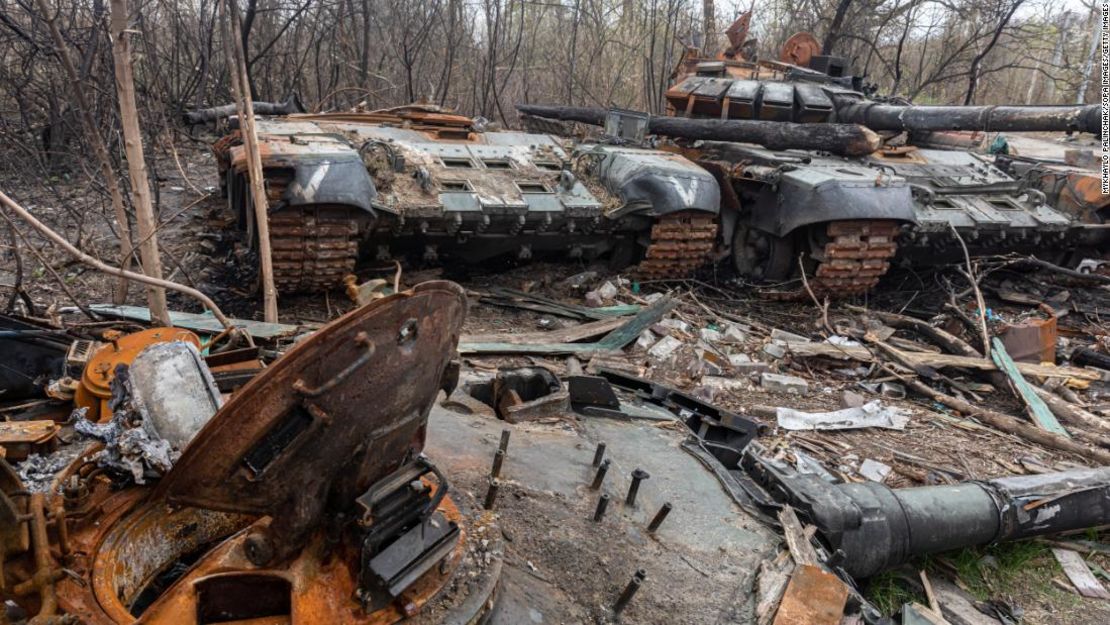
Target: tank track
<point x="680" y="244"/>
<point x="854" y="258"/>
<point x="312" y="247"/>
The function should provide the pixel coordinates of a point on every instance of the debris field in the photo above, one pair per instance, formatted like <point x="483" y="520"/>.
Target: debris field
<point x="794" y="352"/>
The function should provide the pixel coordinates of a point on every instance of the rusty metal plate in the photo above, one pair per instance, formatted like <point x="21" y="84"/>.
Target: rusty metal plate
<point x="813" y="597"/>
<point x="342" y="409"/>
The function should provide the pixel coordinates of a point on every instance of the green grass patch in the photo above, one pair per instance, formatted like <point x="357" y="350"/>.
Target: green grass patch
<point x="889" y="590"/>
<point x="1021" y="569"/>
<point x="999" y="568"/>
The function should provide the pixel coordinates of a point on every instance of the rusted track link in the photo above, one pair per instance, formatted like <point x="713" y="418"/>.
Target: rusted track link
<point x="855" y="256"/>
<point x="681" y="243"/>
<point x="313" y="247"/>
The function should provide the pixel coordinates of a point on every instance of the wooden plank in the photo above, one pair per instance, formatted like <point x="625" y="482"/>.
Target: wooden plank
<point x="957" y="607"/>
<point x="611" y="344"/>
<point x="564" y="335"/>
<point x="1037" y="408"/>
<point x="774" y="575"/>
<point x="862" y="354"/>
<point x="1079" y="575"/>
<point x="511" y="298"/>
<point x="800" y="548"/>
<point x="813" y="597"/>
<point x="199" y="322"/>
<point x="917" y="614"/>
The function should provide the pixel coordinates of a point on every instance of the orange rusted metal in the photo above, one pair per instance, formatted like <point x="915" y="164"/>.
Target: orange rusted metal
<point x="138" y="555"/>
<point x="813" y="597"/>
<point x="120" y="349"/>
<point x="324" y="418"/>
<point x="1032" y="340"/>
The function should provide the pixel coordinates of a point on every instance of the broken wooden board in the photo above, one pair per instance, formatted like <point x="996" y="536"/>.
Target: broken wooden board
<point x="1075" y="567"/>
<point x="774" y="574"/>
<point x="800" y="548"/>
<point x="862" y="354"/>
<point x="1037" y="408"/>
<point x="202" y="323"/>
<point x="610" y="344"/>
<point x="563" y="335"/>
<point x="813" y="597"/>
<point x="917" y="614"/>
<point x="511" y="298"/>
<point x="957" y="607"/>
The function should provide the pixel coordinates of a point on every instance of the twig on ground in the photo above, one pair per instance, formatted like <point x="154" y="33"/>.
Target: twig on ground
<point x="1005" y="422"/>
<point x="106" y="268"/>
<point x="50" y="269"/>
<point x="823" y="307"/>
<point x="970" y="275"/>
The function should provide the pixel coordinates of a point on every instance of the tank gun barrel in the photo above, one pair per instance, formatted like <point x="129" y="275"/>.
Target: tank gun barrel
<point x="843" y="139"/>
<point x="1001" y="118"/>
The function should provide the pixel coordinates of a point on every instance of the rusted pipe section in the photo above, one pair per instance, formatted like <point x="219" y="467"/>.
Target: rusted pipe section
<point x="45" y="575"/>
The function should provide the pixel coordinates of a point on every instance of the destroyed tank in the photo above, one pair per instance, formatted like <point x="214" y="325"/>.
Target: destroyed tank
<point x="418" y="183"/>
<point x="812" y="164"/>
<point x="850" y="216"/>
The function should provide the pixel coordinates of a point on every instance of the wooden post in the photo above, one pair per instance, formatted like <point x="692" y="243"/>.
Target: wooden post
<point x="99" y="149"/>
<point x="136" y="163"/>
<point x="241" y="86"/>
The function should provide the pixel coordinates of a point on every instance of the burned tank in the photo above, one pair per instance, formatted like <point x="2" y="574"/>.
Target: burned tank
<point x="812" y="164"/>
<point x="425" y="185"/>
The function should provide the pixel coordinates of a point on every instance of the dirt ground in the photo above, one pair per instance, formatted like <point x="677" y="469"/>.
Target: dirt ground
<point x="201" y="248"/>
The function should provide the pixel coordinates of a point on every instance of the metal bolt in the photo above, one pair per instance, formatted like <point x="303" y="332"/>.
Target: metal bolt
<point x="491" y="495"/>
<point x="599" y="477"/>
<point x="504" y="447"/>
<point x="637" y="476"/>
<point x="659" y="516"/>
<point x="599" y="454"/>
<point x="258" y="548"/>
<point x="629" y="591"/>
<point x="498" y="459"/>
<point x="602" y="504"/>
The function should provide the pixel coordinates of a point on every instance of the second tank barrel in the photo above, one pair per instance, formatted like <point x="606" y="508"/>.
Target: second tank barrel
<point x="1001" y="118"/>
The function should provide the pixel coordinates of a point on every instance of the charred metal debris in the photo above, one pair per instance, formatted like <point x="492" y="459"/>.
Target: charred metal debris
<point x="388" y="467"/>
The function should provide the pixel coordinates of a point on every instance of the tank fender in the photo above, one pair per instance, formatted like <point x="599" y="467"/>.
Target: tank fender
<point x="335" y="179"/>
<point x="656" y="183"/>
<point x="804" y="197"/>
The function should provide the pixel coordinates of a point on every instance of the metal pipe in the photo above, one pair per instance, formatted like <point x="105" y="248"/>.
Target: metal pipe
<point x="599" y="477"/>
<point x="629" y="591"/>
<point x="498" y="460"/>
<point x="871" y="527"/>
<point x="659" y="518"/>
<point x="1002" y="118"/>
<point x="638" y="476"/>
<point x="491" y="495"/>
<point x="599" y="454"/>
<point x="602" y="504"/>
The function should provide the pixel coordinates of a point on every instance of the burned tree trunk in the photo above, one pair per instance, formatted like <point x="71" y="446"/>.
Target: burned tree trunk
<point x="291" y="105"/>
<point x="843" y="139"/>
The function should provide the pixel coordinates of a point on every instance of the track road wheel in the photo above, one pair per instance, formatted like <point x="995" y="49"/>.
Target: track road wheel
<point x="758" y="255"/>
